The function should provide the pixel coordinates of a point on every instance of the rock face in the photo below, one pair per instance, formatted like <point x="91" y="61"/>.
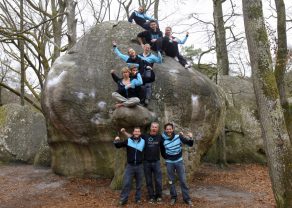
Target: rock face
<point x="77" y="102"/>
<point x="22" y="130"/>
<point x="243" y="133"/>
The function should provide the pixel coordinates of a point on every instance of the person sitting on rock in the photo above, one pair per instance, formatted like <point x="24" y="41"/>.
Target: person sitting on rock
<point x="171" y="151"/>
<point x="135" y="76"/>
<point x="152" y="37"/>
<point x="126" y="95"/>
<point x="134" y="169"/>
<point x="152" y="170"/>
<point x="170" y="46"/>
<point x="140" y="18"/>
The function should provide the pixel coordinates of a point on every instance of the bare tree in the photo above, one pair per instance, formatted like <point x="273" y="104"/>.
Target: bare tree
<point x="221" y="47"/>
<point x="281" y="60"/>
<point x="275" y="135"/>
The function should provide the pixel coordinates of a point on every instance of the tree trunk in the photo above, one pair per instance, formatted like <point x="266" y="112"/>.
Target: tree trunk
<point x="1" y="102"/>
<point x="280" y="68"/>
<point x="57" y="27"/>
<point x="71" y="23"/>
<point x="275" y="135"/>
<point x="156" y="5"/>
<point x="21" y="49"/>
<point x="220" y="36"/>
<point x="221" y="147"/>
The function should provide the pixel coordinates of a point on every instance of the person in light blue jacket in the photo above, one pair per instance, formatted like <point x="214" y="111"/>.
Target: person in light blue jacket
<point x="141" y="18"/>
<point x="170" y="46"/>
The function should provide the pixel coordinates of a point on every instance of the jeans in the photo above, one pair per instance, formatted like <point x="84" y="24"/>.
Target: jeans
<point x="152" y="172"/>
<point x="132" y="171"/>
<point x="180" y="169"/>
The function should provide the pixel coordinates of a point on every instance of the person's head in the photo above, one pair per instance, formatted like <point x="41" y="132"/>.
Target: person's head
<point x="169" y="128"/>
<point x="132" y="53"/>
<point x="147" y="48"/>
<point x="168" y="31"/>
<point x="125" y="72"/>
<point x="136" y="132"/>
<point x="154" y="128"/>
<point x="141" y="9"/>
<point x="133" y="69"/>
<point x="153" y="24"/>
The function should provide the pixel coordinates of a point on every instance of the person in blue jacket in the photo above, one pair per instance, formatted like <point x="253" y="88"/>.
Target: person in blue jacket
<point x="171" y="151"/>
<point x="170" y="46"/>
<point x="126" y="94"/>
<point x="134" y="169"/>
<point x="140" y="18"/>
<point x="148" y="72"/>
<point x="153" y="36"/>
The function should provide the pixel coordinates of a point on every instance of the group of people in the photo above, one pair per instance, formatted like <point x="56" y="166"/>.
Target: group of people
<point x="135" y="85"/>
<point x="143" y="158"/>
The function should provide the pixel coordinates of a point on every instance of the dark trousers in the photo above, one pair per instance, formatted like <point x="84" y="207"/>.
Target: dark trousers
<point x="152" y="173"/>
<point x="147" y="90"/>
<point x="179" y="168"/>
<point x="181" y="59"/>
<point x="132" y="171"/>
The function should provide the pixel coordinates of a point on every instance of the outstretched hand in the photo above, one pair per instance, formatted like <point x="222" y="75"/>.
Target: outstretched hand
<point x="117" y="138"/>
<point x="123" y="130"/>
<point x="112" y="71"/>
<point x="114" y="43"/>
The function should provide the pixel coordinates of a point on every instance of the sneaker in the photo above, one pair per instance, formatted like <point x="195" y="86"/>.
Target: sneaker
<point x="189" y="202"/>
<point x="172" y="202"/>
<point x="159" y="200"/>
<point x="151" y="201"/>
<point x="187" y="66"/>
<point x="138" y="201"/>
<point x="121" y="202"/>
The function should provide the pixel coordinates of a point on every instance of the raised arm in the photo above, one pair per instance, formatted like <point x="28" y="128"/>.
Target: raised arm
<point x="123" y="130"/>
<point x="118" y="52"/>
<point x="184" y="40"/>
<point x="187" y="140"/>
<point x="114" y="76"/>
<point x="119" y="144"/>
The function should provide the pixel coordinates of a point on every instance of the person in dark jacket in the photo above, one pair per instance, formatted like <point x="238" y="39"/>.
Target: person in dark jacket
<point x="140" y="17"/>
<point x="152" y="37"/>
<point x="134" y="169"/>
<point x="126" y="95"/>
<point x="152" y="170"/>
<point x="170" y="46"/>
<point x="171" y="151"/>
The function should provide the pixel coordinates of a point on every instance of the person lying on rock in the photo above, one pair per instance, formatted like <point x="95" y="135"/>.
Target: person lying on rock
<point x="126" y="94"/>
<point x="152" y="170"/>
<point x="134" y="169"/>
<point x="152" y="37"/>
<point x="170" y="46"/>
<point x="140" y="17"/>
<point x="171" y="151"/>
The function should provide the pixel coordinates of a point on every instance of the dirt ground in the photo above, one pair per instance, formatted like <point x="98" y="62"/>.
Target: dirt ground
<point x="23" y="186"/>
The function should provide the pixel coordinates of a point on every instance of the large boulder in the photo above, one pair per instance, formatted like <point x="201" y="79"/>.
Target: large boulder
<point x="22" y="131"/>
<point x="244" y="142"/>
<point x="78" y="104"/>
